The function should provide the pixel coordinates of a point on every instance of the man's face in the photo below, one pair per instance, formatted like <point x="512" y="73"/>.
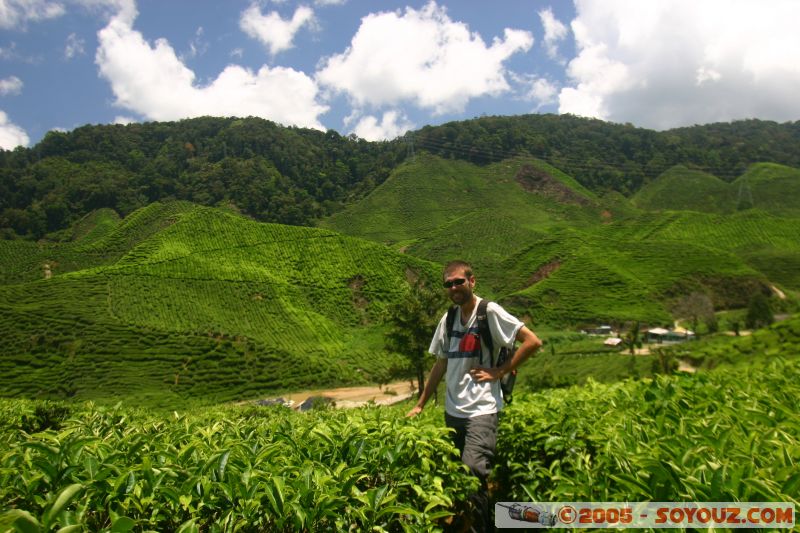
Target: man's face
<point x="459" y="286"/>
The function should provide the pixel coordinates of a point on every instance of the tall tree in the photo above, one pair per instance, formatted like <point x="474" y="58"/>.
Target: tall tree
<point x="413" y="321"/>
<point x="632" y="339"/>
<point x="695" y="307"/>
<point x="759" y="312"/>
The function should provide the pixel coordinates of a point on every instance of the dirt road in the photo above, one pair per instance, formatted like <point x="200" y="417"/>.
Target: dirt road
<point x="347" y="397"/>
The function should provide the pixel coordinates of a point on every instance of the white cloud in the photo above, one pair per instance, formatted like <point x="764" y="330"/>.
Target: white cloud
<point x="392" y="125"/>
<point x="274" y="32"/>
<point x="152" y="81"/>
<point x="123" y="120"/>
<point x="10" y="86"/>
<point x="554" y="32"/>
<point x="421" y="57"/>
<point x="17" y="13"/>
<point x="124" y="10"/>
<point x="681" y="62"/>
<point x="74" y="46"/>
<point x="330" y="2"/>
<point x="539" y="90"/>
<point x="198" y="46"/>
<point x="354" y="114"/>
<point x="544" y="91"/>
<point x="11" y="135"/>
<point x="707" y="74"/>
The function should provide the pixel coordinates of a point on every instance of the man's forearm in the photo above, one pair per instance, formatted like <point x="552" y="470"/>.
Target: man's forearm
<point x="433" y="381"/>
<point x="530" y="343"/>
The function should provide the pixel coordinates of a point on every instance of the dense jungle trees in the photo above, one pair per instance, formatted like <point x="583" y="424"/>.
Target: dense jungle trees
<point x="295" y="175"/>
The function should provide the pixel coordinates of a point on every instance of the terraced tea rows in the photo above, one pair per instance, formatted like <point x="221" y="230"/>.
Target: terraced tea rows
<point x="552" y="251"/>
<point x="597" y="278"/>
<point x="430" y="194"/>
<point x="765" y="186"/>
<point x="234" y="309"/>
<point x="735" y="232"/>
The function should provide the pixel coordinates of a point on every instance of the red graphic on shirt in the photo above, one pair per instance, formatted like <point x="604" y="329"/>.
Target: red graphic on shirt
<point x="470" y="343"/>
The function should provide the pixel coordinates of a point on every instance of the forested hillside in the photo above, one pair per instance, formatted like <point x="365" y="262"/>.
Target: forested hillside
<point x="604" y="156"/>
<point x="269" y="172"/>
<point x="297" y="176"/>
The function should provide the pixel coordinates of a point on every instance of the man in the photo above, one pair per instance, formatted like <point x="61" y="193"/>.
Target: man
<point x="473" y="397"/>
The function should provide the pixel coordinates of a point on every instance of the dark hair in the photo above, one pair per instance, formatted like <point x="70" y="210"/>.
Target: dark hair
<point x="452" y="265"/>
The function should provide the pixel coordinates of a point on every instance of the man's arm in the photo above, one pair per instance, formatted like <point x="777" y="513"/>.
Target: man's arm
<point x="438" y="370"/>
<point x="530" y="343"/>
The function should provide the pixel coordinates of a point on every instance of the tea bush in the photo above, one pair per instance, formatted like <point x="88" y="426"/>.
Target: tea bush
<point x="230" y="470"/>
<point x="726" y="435"/>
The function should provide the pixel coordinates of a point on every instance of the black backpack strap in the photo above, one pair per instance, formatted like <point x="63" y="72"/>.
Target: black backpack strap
<point x="450" y="321"/>
<point x="485" y="331"/>
<point x="507" y="383"/>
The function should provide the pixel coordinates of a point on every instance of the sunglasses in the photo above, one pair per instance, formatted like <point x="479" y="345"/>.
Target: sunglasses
<point x="454" y="283"/>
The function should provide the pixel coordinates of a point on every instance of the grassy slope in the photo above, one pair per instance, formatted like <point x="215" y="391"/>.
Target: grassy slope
<point x="175" y="298"/>
<point x="680" y="188"/>
<point x="764" y="241"/>
<point x="190" y="301"/>
<point x="767" y="186"/>
<point x="563" y="262"/>
<point x="100" y="238"/>
<point x="632" y="282"/>
<point x="772" y="187"/>
<point x="431" y="194"/>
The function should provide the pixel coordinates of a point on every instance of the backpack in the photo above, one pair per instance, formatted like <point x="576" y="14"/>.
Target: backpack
<point x="507" y="381"/>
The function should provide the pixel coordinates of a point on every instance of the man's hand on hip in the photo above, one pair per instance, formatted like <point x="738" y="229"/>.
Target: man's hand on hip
<point x="485" y="374"/>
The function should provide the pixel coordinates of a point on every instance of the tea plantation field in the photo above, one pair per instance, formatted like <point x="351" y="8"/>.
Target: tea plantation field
<point x="553" y="251"/>
<point x="179" y="301"/>
<point x="725" y="435"/>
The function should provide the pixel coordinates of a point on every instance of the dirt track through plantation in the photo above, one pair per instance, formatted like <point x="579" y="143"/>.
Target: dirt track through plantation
<point x="346" y="397"/>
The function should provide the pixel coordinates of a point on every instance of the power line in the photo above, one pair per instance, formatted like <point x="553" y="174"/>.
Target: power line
<point x="447" y="145"/>
<point x="588" y="164"/>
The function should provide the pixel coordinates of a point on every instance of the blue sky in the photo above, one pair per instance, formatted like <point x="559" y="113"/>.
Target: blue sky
<point x="378" y="69"/>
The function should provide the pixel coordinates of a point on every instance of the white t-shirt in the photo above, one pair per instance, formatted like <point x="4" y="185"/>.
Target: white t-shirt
<point x="465" y="397"/>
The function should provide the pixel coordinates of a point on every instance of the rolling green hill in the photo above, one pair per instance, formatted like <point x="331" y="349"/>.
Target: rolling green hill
<point x="432" y="194"/>
<point x="771" y="187"/>
<point x="438" y="209"/>
<point x="297" y="176"/>
<point x="617" y="281"/>
<point x="178" y="299"/>
<point x="553" y="251"/>
<point x="681" y="188"/>
<point x="765" y="186"/>
<point x="100" y="238"/>
<point x="764" y="241"/>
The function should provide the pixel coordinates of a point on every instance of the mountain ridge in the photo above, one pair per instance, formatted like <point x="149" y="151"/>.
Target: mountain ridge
<point x="299" y="176"/>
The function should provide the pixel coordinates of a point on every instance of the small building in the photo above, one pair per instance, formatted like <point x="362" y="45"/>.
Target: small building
<point x="600" y="330"/>
<point x="612" y="341"/>
<point x="661" y="335"/>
